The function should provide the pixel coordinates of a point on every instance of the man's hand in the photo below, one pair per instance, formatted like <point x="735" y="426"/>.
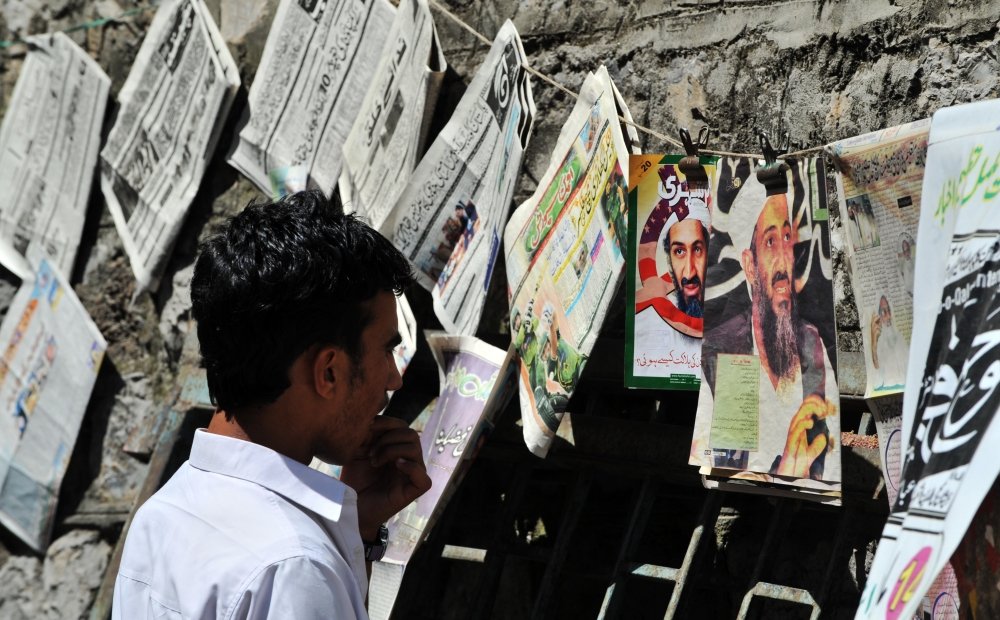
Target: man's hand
<point x="799" y="454"/>
<point x="388" y="473"/>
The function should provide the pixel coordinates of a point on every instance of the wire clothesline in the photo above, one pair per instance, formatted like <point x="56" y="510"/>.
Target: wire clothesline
<point x="554" y="83"/>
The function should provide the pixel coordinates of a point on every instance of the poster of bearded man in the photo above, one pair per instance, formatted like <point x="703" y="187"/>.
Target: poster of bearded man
<point x="669" y="224"/>
<point x="768" y="407"/>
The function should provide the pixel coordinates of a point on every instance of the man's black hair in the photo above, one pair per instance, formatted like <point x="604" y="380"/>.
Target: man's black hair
<point x="279" y="278"/>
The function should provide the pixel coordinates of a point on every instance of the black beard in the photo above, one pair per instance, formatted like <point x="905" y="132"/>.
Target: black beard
<point x="690" y="306"/>
<point x="780" y="341"/>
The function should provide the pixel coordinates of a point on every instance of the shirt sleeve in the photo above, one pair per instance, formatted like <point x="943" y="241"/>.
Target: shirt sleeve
<point x="300" y="588"/>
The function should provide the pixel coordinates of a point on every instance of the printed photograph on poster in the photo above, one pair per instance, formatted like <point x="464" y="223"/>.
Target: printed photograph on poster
<point x="669" y="226"/>
<point x="769" y="401"/>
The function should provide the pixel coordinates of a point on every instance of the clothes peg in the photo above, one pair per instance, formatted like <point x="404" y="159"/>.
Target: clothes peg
<point x="690" y="165"/>
<point x="773" y="174"/>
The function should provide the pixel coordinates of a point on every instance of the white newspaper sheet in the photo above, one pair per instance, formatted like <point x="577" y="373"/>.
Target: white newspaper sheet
<point x="385" y="143"/>
<point x="565" y="251"/>
<point x="450" y="216"/>
<point x="950" y="402"/>
<point x="49" y="142"/>
<point x="941" y="602"/>
<point x="317" y="66"/>
<point x="476" y="380"/>
<point x="51" y="354"/>
<point x="878" y="181"/>
<point x="173" y="106"/>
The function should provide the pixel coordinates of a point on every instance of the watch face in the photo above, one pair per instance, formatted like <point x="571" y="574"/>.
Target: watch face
<point x="374" y="551"/>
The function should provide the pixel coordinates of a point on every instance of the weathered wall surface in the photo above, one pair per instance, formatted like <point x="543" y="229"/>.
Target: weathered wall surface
<point x="822" y="70"/>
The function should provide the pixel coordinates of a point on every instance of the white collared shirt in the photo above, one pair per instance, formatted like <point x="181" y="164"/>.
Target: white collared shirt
<point x="241" y="531"/>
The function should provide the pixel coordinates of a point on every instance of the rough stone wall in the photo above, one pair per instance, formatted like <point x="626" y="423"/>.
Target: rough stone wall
<point x="822" y="70"/>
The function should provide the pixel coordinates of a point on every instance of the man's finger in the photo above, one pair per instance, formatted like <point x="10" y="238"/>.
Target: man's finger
<point x="417" y="475"/>
<point x="388" y="451"/>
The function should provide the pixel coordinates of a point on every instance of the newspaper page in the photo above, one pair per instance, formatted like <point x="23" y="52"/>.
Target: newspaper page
<point x="878" y="180"/>
<point x="51" y="354"/>
<point x="669" y="223"/>
<point x="317" y="65"/>
<point x="391" y="128"/>
<point x="173" y="106"/>
<point x="942" y="599"/>
<point x="475" y="384"/>
<point x="49" y="142"/>
<point x="450" y="215"/>
<point x="768" y="402"/>
<point x="951" y="398"/>
<point x="565" y="254"/>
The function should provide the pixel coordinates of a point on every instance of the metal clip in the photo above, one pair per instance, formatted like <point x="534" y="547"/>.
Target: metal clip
<point x="690" y="165"/>
<point x="773" y="174"/>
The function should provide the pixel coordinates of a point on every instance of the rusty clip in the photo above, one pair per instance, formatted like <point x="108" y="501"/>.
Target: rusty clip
<point x="773" y="173"/>
<point x="690" y="165"/>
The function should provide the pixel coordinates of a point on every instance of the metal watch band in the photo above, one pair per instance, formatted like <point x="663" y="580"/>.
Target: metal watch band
<point x="374" y="551"/>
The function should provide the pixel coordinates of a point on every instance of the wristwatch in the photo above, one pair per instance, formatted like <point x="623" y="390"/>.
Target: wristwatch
<point x="375" y="550"/>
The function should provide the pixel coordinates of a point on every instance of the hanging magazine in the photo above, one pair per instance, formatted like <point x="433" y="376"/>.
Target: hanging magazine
<point x="878" y="181"/>
<point x="565" y="251"/>
<point x="173" y="106"/>
<point x="317" y="64"/>
<point x="669" y="224"/>
<point x="48" y="148"/>
<point x="769" y="406"/>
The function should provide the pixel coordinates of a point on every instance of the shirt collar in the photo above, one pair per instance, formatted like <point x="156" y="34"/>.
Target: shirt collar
<point x="255" y="463"/>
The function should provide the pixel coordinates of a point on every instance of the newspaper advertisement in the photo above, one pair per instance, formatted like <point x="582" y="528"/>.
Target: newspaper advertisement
<point x="391" y="127"/>
<point x="769" y="406"/>
<point x="878" y="180"/>
<point x="173" y="106"/>
<point x="475" y="384"/>
<point x="317" y="65"/>
<point x="942" y="599"/>
<point x="51" y="354"/>
<point x="951" y="397"/>
<point x="565" y="256"/>
<point x="669" y="224"/>
<point x="450" y="215"/>
<point x="49" y="141"/>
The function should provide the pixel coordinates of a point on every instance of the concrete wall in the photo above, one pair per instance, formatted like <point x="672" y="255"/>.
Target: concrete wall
<point x="822" y="70"/>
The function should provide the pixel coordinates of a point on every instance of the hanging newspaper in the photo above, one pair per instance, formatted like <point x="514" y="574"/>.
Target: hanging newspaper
<point x="565" y="251"/>
<point x="49" y="141"/>
<point x="941" y="602"/>
<point x="768" y="408"/>
<point x="391" y="128"/>
<point x="950" y="402"/>
<point x="668" y="225"/>
<point x="51" y="354"/>
<point x="173" y="106"/>
<point x="317" y="64"/>
<point x="449" y="218"/>
<point x="476" y="382"/>
<point x="878" y="181"/>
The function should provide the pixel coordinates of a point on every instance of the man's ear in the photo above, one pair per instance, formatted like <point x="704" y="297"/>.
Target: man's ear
<point x="748" y="266"/>
<point x="328" y="371"/>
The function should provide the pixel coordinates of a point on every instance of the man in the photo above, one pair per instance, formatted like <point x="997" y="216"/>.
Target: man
<point x="297" y="323"/>
<point x="797" y="387"/>
<point x="905" y="262"/>
<point x="667" y="332"/>
<point x="889" y="349"/>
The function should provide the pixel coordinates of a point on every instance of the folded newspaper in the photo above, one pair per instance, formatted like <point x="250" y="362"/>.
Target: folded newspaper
<point x="450" y="216"/>
<point x="950" y="426"/>
<point x="51" y="354"/>
<point x="565" y="251"/>
<point x="317" y="65"/>
<point x="476" y="382"/>
<point x="390" y="130"/>
<point x="49" y="141"/>
<point x="173" y="106"/>
<point x="878" y="181"/>
<point x="769" y="405"/>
